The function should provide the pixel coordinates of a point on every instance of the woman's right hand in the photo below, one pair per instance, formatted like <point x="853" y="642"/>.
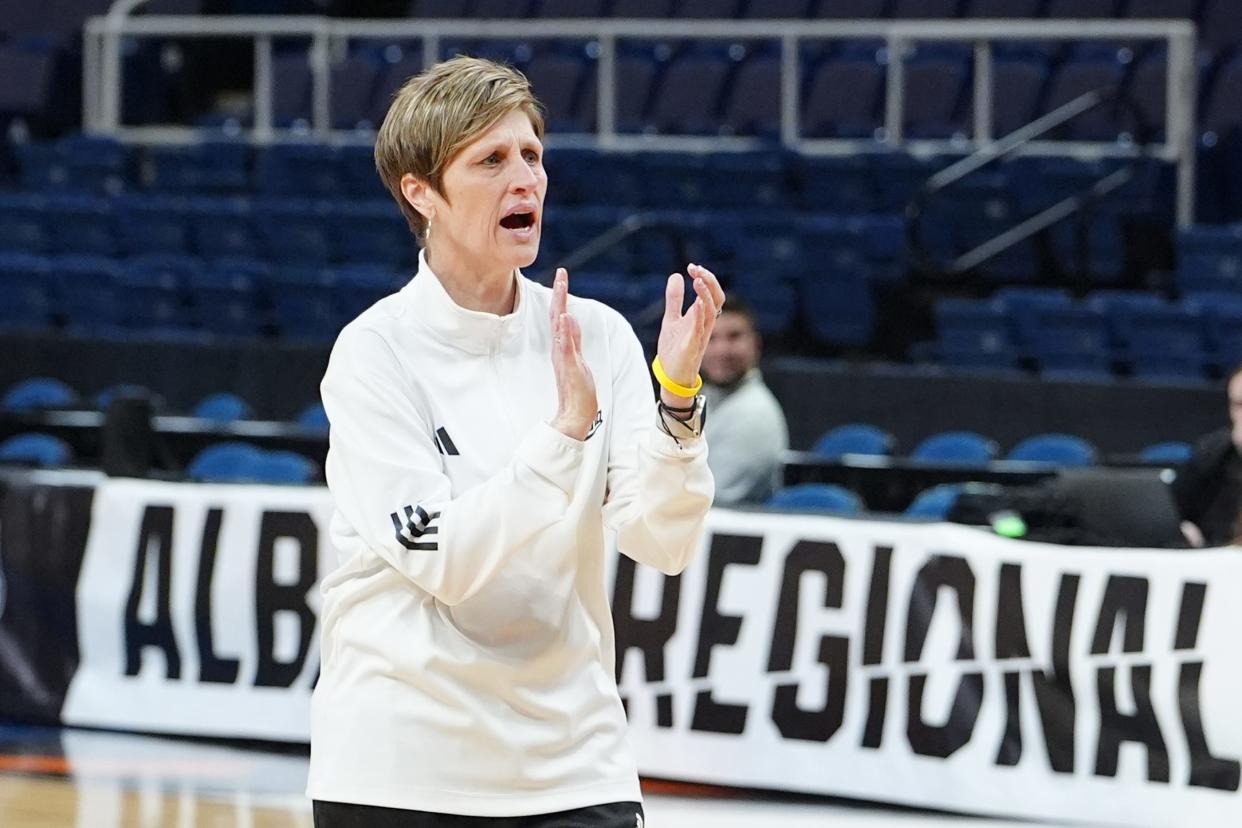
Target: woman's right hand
<point x="577" y="404"/>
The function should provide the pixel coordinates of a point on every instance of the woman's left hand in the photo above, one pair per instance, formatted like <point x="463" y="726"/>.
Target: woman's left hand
<point x="683" y="337"/>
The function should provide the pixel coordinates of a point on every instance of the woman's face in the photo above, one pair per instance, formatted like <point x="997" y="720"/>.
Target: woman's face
<point x="493" y="212"/>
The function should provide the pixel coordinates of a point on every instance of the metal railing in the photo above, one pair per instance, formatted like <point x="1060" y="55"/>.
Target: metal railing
<point x="1005" y="147"/>
<point x="102" y="72"/>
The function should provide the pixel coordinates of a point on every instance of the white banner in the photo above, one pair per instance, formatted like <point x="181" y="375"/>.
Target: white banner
<point x="924" y="664"/>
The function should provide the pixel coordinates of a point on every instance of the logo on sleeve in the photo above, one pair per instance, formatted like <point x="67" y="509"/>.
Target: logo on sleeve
<point x="445" y="443"/>
<point x="599" y="421"/>
<point x="414" y="531"/>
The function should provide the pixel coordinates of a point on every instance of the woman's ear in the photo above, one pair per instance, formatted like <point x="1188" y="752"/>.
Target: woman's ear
<point x="419" y="195"/>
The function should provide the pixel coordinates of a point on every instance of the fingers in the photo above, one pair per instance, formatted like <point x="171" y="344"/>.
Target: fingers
<point x="575" y="334"/>
<point x="674" y="295"/>
<point x="700" y="272"/>
<point x="706" y="303"/>
<point x="560" y="296"/>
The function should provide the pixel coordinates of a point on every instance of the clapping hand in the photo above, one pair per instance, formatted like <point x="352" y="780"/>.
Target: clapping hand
<point x="683" y="337"/>
<point x="577" y="404"/>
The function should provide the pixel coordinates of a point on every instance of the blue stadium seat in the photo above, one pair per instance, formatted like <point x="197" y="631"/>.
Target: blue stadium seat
<point x="1071" y="338"/>
<point x="30" y="77"/>
<point x="223" y="228"/>
<point x="1219" y="113"/>
<point x="688" y="95"/>
<point x="352" y="85"/>
<point x="835" y="184"/>
<point x="972" y="333"/>
<point x="152" y="224"/>
<point x="956" y="447"/>
<point x="283" y="467"/>
<point x="822" y="498"/>
<point x="843" y="99"/>
<point x="370" y="231"/>
<point x="22" y="228"/>
<point x="753" y="100"/>
<point x="224" y="297"/>
<point x="214" y="166"/>
<point x="854" y="438"/>
<point x="299" y="170"/>
<point x="38" y="393"/>
<point x="291" y="90"/>
<point x="1077" y="77"/>
<point x="936" y="502"/>
<point x="773" y="301"/>
<point x="35" y="449"/>
<point x="1173" y="453"/>
<point x="86" y="286"/>
<point x="557" y="79"/>
<point x="222" y="407"/>
<point x="80" y="225"/>
<point x="74" y="164"/>
<point x="1210" y="259"/>
<point x="401" y="62"/>
<point x="313" y="417"/>
<point x="934" y="89"/>
<point x="1106" y="248"/>
<point x="636" y="74"/>
<point x="26" y="291"/>
<point x="838" y="309"/>
<point x="230" y="462"/>
<point x="1055" y="449"/>
<point x="1018" y="86"/>
<point x="296" y="232"/>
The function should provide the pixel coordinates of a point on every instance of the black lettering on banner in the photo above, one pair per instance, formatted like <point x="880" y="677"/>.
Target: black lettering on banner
<point x="873" y="645"/>
<point x="1011" y="642"/>
<point x="212" y="668"/>
<point x="649" y="635"/>
<point x="155" y="539"/>
<point x="1140" y="727"/>
<point x="271" y="597"/>
<point x="1054" y="692"/>
<point x="791" y="720"/>
<point x="1206" y="770"/>
<point x="1125" y="599"/>
<point x="953" y="573"/>
<point x="716" y="629"/>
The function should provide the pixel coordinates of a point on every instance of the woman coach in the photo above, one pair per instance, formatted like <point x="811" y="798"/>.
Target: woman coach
<point x="485" y="431"/>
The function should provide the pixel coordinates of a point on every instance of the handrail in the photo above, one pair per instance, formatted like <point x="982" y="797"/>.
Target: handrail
<point x="1007" y="146"/>
<point x="103" y="68"/>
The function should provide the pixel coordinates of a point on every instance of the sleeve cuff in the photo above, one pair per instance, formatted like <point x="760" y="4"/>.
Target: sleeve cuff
<point x="552" y="455"/>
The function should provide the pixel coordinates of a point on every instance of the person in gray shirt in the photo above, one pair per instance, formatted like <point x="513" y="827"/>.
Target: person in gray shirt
<point x="745" y="427"/>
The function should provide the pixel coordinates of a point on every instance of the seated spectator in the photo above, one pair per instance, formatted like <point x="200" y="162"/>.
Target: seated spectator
<point x="745" y="426"/>
<point x="1209" y="486"/>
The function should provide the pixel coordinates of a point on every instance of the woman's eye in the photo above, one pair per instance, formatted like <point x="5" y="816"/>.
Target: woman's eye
<point x="491" y="159"/>
<point x="531" y="156"/>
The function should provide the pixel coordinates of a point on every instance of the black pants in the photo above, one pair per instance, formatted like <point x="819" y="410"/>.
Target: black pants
<point x="343" y="815"/>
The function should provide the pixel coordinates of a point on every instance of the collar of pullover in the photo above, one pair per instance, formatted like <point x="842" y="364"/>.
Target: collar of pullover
<point x="475" y="332"/>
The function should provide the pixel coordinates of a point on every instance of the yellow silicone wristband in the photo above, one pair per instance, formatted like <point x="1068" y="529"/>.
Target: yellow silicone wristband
<point x="667" y="382"/>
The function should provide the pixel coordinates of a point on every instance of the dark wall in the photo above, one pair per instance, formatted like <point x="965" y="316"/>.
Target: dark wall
<point x="1118" y="417"/>
<point x="280" y="379"/>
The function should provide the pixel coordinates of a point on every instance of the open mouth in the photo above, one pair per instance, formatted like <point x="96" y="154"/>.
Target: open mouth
<point x="518" y="221"/>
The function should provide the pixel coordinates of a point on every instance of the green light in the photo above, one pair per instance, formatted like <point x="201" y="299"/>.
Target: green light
<point x="1009" y="525"/>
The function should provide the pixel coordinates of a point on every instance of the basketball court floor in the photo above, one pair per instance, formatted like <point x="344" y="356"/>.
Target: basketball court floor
<point x="91" y="779"/>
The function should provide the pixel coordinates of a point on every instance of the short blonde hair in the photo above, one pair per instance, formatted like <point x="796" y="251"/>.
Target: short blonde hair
<point x="436" y="113"/>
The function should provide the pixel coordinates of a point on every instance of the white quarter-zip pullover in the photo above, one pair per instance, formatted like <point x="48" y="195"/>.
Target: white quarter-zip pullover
<point x="467" y="655"/>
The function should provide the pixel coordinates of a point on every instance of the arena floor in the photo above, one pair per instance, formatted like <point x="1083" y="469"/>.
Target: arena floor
<point x="90" y="779"/>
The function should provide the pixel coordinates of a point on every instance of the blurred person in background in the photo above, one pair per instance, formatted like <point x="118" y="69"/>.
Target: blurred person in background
<point x="485" y="430"/>
<point x="1208" y="487"/>
<point x="747" y="429"/>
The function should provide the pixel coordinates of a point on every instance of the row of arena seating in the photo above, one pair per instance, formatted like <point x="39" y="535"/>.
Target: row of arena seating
<point x="967" y="448"/>
<point x="734" y="89"/>
<point x="38" y="394"/>
<point x="1148" y="337"/>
